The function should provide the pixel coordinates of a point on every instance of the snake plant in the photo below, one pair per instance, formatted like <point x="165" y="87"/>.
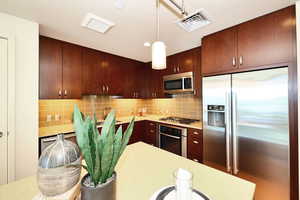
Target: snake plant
<point x="101" y="152"/>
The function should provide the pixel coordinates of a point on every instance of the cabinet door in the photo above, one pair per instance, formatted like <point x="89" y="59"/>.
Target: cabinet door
<point x="72" y="68"/>
<point x="172" y="65"/>
<point x="148" y="79"/>
<point x="186" y="61"/>
<point x="129" y="84"/>
<point x="157" y="84"/>
<point x="197" y="72"/>
<point x="102" y="73"/>
<point x="90" y="65"/>
<point x="138" y="131"/>
<point x="50" y="68"/>
<point x="141" y="81"/>
<point x="266" y="40"/>
<point x="114" y="75"/>
<point x="219" y="52"/>
<point x="150" y="133"/>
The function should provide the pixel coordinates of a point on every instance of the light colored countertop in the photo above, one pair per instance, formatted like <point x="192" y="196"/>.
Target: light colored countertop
<point x="143" y="169"/>
<point x="68" y="128"/>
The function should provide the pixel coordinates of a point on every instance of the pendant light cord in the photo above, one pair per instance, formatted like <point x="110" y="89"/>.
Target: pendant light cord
<point x="157" y="20"/>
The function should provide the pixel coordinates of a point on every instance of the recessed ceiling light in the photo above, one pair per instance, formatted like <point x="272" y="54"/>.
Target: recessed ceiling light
<point x="96" y="23"/>
<point x="147" y="44"/>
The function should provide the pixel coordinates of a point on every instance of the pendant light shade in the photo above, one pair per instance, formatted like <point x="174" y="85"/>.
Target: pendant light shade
<point x="159" y="55"/>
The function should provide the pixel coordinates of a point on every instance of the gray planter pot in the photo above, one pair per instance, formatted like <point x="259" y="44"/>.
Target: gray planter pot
<point x="106" y="191"/>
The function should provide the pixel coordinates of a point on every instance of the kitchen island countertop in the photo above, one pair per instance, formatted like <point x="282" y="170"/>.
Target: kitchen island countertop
<point x="143" y="169"/>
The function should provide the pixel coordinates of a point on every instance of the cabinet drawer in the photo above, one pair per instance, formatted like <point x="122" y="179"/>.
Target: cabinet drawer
<point x="195" y="145"/>
<point x="195" y="134"/>
<point x="195" y="157"/>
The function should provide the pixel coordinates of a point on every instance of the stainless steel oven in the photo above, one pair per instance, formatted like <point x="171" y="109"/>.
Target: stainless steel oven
<point x="173" y="139"/>
<point x="178" y="83"/>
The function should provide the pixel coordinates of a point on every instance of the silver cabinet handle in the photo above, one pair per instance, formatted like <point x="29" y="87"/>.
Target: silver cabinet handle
<point x="177" y="69"/>
<point x="1" y="134"/>
<point x="151" y="124"/>
<point x="151" y="131"/>
<point x="107" y="88"/>
<point x="233" y="61"/>
<point x="241" y="60"/>
<point x="196" y="160"/>
<point x="196" y="133"/>
<point x="59" y="93"/>
<point x="174" y="69"/>
<point x="234" y="135"/>
<point x="65" y="92"/>
<point x="103" y="88"/>
<point x="195" y="142"/>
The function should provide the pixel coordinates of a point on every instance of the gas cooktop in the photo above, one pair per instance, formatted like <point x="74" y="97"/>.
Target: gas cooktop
<point x="179" y="120"/>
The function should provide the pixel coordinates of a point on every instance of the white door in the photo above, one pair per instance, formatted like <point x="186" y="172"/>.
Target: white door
<point x="3" y="111"/>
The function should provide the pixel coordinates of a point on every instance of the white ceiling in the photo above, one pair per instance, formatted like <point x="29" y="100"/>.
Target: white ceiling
<point x="135" y="23"/>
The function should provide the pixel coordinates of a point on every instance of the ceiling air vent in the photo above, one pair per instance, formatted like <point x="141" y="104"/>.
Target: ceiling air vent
<point x="194" y="21"/>
<point x="96" y="23"/>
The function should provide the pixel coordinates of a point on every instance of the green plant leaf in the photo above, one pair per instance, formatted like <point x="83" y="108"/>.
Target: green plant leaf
<point x="111" y="117"/>
<point x="116" y="153"/>
<point x="97" y="167"/>
<point x="82" y="129"/>
<point x="107" y="153"/>
<point x="127" y="136"/>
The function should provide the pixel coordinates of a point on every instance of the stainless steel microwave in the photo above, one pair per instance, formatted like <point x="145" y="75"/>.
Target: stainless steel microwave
<point x="178" y="83"/>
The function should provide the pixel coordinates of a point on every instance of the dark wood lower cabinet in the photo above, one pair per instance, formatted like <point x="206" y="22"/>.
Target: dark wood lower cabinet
<point x="138" y="130"/>
<point x="195" y="145"/>
<point x="151" y="133"/>
<point x="147" y="131"/>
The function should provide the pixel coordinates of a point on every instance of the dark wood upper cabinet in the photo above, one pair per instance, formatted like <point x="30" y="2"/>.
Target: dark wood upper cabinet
<point x="72" y="71"/>
<point x="113" y="72"/>
<point x="90" y="78"/>
<point x="266" y="40"/>
<point x="50" y="69"/>
<point x="219" y="51"/>
<point x="60" y="69"/>
<point x="186" y="61"/>
<point x="257" y="44"/>
<point x="197" y="72"/>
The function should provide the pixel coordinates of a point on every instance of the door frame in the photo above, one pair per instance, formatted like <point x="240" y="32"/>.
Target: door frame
<point x="11" y="104"/>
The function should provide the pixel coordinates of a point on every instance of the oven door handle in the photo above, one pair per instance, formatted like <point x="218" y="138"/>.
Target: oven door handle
<point x="178" y="138"/>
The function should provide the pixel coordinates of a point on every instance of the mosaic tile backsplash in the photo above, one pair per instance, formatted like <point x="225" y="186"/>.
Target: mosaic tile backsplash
<point x="57" y="112"/>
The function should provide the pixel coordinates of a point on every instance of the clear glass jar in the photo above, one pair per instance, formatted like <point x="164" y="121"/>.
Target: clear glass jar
<point x="183" y="184"/>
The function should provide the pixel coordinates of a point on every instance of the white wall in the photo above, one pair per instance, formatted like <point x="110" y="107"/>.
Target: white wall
<point x="26" y="37"/>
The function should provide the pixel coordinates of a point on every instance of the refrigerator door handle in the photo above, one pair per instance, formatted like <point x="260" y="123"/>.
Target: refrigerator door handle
<point x="234" y="135"/>
<point x="228" y="131"/>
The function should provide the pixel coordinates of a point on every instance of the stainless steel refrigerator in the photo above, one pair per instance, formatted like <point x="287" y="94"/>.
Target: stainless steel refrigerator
<point x="245" y="127"/>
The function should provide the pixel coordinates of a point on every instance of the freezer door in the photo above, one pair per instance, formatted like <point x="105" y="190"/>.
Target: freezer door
<point x="216" y="122"/>
<point x="260" y="124"/>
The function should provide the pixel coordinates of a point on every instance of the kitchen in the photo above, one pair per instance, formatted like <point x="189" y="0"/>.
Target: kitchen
<point x="211" y="104"/>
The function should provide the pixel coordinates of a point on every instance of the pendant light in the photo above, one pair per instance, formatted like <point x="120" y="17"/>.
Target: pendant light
<point x="158" y="47"/>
